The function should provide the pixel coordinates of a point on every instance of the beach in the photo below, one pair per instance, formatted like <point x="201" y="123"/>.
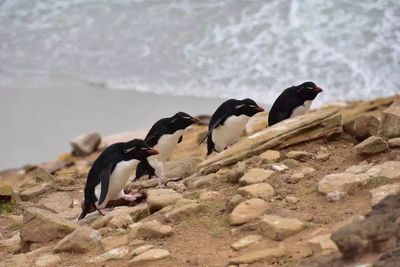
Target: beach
<point x="39" y="123"/>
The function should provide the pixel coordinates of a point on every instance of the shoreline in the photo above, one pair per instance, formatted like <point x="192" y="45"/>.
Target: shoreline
<point x="39" y="124"/>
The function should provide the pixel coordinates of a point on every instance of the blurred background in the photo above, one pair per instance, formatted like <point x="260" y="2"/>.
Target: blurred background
<point x="74" y="66"/>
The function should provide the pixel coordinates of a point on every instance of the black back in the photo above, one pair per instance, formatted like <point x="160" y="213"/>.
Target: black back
<point x="104" y="165"/>
<point x="231" y="107"/>
<point x="290" y="99"/>
<point x="179" y="121"/>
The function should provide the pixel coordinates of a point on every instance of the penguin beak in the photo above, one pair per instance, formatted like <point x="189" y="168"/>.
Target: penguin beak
<point x="195" y="120"/>
<point x="152" y="151"/>
<point x="318" y="89"/>
<point x="259" y="109"/>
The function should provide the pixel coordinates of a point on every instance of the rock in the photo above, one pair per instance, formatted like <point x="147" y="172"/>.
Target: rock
<point x="257" y="123"/>
<point x="394" y="142"/>
<point x="358" y="176"/>
<point x="255" y="176"/>
<point x="153" y="229"/>
<point x="47" y="260"/>
<point x="267" y="255"/>
<point x="56" y="202"/>
<point x="114" y="242"/>
<point x="6" y="192"/>
<point x="113" y="254"/>
<point x="234" y="174"/>
<point x="279" y="167"/>
<point x="10" y="245"/>
<point x="180" y="213"/>
<point x="362" y="127"/>
<point x="293" y="178"/>
<point x="181" y="168"/>
<point x="377" y="233"/>
<point x="140" y="250"/>
<point x="372" y="145"/>
<point x="323" y="156"/>
<point x="120" y="221"/>
<point x="233" y="202"/>
<point x="261" y="190"/>
<point x="43" y="226"/>
<point x="291" y="200"/>
<point x="150" y="183"/>
<point x="301" y="156"/>
<point x="120" y="213"/>
<point x="271" y="155"/>
<point x="247" y="211"/>
<point x="208" y="195"/>
<point x="202" y="181"/>
<point x="246" y="241"/>
<point x="177" y="186"/>
<point x="32" y="192"/>
<point x="20" y="260"/>
<point x="160" y="198"/>
<point x="41" y="175"/>
<point x="82" y="240"/>
<point x="335" y="196"/>
<point x="149" y="256"/>
<point x="279" y="228"/>
<point x="390" y="125"/>
<point x="378" y="194"/>
<point x="301" y="128"/>
<point x="389" y="259"/>
<point x="85" y="144"/>
<point x="322" y="245"/>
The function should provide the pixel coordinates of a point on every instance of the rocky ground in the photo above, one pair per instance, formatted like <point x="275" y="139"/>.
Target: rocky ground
<point x="306" y="192"/>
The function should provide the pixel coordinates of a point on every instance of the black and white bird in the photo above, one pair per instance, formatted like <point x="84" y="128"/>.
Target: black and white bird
<point x="293" y="101"/>
<point x="164" y="137"/>
<point x="228" y="122"/>
<point x="110" y="173"/>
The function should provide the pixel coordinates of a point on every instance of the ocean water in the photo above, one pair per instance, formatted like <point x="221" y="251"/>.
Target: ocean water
<point x="225" y="48"/>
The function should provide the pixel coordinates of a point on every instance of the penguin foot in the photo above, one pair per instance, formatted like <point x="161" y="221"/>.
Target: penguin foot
<point x="132" y="196"/>
<point x="104" y="211"/>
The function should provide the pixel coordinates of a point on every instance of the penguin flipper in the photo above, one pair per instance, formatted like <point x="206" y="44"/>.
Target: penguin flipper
<point x="210" y="145"/>
<point x="141" y="169"/>
<point x="212" y="126"/>
<point x="105" y="182"/>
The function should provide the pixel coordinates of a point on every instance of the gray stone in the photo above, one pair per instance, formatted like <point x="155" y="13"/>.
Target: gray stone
<point x="180" y="213"/>
<point x="85" y="144"/>
<point x="56" y="202"/>
<point x="279" y="228"/>
<point x="390" y="125"/>
<point x="362" y="127"/>
<point x="47" y="260"/>
<point x="181" y="168"/>
<point x="261" y="190"/>
<point x="233" y="202"/>
<point x="113" y="254"/>
<point x="82" y="240"/>
<point x="202" y="181"/>
<point x="32" y="192"/>
<point x="279" y="167"/>
<point x="153" y="229"/>
<point x="43" y="226"/>
<point x="271" y="155"/>
<point x="372" y="145"/>
<point x="114" y="242"/>
<point x="119" y="214"/>
<point x="301" y="156"/>
<point x="246" y="241"/>
<point x="378" y="194"/>
<point x="254" y="176"/>
<point x="140" y="250"/>
<point x="160" y="198"/>
<point x="322" y="245"/>
<point x="394" y="142"/>
<point x="267" y="255"/>
<point x="10" y="245"/>
<point x="149" y="256"/>
<point x="247" y="211"/>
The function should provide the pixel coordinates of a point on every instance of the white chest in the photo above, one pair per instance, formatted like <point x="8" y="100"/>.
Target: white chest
<point x="225" y="135"/>
<point x="118" y="178"/>
<point x="303" y="109"/>
<point x="166" y="145"/>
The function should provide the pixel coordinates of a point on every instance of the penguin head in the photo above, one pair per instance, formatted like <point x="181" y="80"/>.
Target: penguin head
<point x="137" y="149"/>
<point x="308" y="91"/>
<point x="247" y="107"/>
<point x="182" y="120"/>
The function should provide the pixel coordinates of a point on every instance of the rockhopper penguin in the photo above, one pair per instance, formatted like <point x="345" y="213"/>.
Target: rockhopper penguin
<point x="110" y="172"/>
<point x="293" y="101"/>
<point x="164" y="137"/>
<point x="228" y="122"/>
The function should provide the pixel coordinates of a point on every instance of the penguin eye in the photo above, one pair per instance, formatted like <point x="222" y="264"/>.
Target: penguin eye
<point x="144" y="148"/>
<point x="186" y="117"/>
